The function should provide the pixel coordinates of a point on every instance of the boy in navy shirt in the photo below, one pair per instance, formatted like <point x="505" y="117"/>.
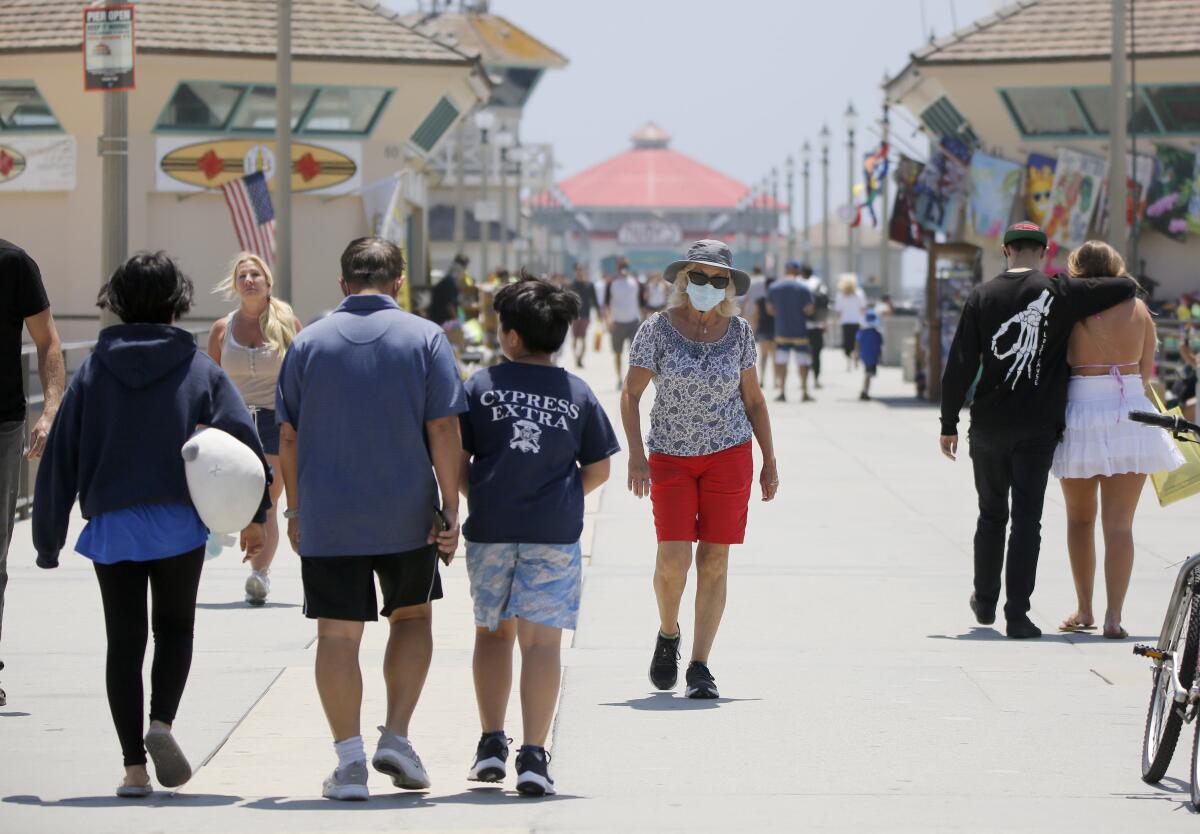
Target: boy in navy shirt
<point x="535" y="441"/>
<point x="869" y="346"/>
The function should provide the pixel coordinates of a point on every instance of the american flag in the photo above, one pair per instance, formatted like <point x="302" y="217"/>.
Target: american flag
<point x="253" y="215"/>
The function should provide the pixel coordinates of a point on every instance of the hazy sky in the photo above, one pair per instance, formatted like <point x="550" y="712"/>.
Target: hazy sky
<point x="739" y="85"/>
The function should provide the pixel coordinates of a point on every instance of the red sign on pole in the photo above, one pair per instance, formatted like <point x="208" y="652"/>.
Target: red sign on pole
<point x="108" y="48"/>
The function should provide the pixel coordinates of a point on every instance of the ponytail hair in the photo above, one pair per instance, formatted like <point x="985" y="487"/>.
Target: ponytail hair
<point x="278" y="321"/>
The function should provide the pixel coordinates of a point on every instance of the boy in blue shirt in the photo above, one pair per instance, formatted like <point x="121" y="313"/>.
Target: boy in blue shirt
<point x="869" y="347"/>
<point x="535" y="441"/>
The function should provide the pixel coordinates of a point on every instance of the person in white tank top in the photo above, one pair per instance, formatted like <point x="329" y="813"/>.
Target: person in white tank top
<point x="249" y="345"/>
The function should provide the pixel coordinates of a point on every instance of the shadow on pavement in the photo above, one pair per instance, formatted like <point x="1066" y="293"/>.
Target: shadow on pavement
<point x="664" y="701"/>
<point x="158" y="799"/>
<point x="14" y="714"/>
<point x="223" y="606"/>
<point x="904" y="402"/>
<point x="986" y="634"/>
<point x="408" y="799"/>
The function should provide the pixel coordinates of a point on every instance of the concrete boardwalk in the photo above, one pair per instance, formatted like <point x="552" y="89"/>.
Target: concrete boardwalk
<point x="859" y="694"/>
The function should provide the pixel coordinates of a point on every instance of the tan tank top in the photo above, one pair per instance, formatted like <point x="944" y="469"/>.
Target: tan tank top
<point x="253" y="370"/>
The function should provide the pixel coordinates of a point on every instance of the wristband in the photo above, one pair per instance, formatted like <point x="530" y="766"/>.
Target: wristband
<point x="290" y="514"/>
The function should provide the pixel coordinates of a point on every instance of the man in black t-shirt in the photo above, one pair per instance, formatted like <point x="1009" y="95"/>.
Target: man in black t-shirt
<point x="23" y="304"/>
<point x="1013" y="333"/>
<point x="588" y="302"/>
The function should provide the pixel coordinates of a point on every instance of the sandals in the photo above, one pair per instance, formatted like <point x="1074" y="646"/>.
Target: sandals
<point x="134" y="791"/>
<point x="1119" y="634"/>
<point x="1075" y="628"/>
<point x="170" y="765"/>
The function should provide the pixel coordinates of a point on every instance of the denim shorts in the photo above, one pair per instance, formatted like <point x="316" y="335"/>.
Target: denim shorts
<point x="541" y="583"/>
<point x="268" y="429"/>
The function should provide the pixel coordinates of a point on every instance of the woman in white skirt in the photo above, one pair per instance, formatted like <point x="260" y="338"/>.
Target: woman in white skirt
<point x="1103" y="453"/>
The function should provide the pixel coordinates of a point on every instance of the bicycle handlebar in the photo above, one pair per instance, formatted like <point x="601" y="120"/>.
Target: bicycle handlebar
<point x="1164" y="421"/>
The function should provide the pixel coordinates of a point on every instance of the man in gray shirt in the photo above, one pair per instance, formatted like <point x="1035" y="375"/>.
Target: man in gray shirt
<point x="368" y="404"/>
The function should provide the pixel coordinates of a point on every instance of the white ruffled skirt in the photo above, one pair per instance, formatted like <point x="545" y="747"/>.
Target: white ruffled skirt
<point x="1100" y="439"/>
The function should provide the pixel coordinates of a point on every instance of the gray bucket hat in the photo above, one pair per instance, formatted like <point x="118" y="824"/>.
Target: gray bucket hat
<point x="712" y="253"/>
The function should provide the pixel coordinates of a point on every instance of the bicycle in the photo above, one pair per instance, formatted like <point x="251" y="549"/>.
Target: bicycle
<point x="1175" y="696"/>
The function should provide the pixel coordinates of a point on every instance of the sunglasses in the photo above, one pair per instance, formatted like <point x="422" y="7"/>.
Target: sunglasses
<point x="720" y="282"/>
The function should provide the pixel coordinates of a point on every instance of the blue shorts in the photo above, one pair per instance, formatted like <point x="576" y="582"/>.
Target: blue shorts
<point x="541" y="583"/>
<point x="268" y="429"/>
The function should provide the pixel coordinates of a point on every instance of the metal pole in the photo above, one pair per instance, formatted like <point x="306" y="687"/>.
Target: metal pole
<point x="850" y="230"/>
<point x="520" y="184"/>
<point x="825" y="264"/>
<point x="884" y="254"/>
<point x="1118" y="224"/>
<point x="791" y="214"/>
<point x="282" y="287"/>
<point x="460" y="188"/>
<point x="806" y="152"/>
<point x="485" y="226"/>
<point x="504" y="253"/>
<point x="1135" y="230"/>
<point x="773" y="216"/>
<point x="114" y="154"/>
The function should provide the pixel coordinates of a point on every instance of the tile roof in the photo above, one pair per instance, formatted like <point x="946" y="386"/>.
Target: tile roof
<point x="362" y="30"/>
<point x="1059" y="30"/>
<point x="497" y="40"/>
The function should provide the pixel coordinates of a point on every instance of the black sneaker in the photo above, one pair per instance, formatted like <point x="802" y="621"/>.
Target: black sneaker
<point x="664" y="666"/>
<point x="782" y="398"/>
<point x="533" y="772"/>
<point x="700" y="682"/>
<point x="491" y="757"/>
<point x="1022" y="628"/>
<point x="984" y="614"/>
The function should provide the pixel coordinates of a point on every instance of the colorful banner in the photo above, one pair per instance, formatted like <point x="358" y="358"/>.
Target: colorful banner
<point x="903" y="225"/>
<point x="1039" y="185"/>
<point x="941" y="189"/>
<point x="37" y="163"/>
<point x="201" y="164"/>
<point x="875" y="168"/>
<point x="1137" y="184"/>
<point x="1171" y="192"/>
<point x="1194" y="203"/>
<point x="1078" y="179"/>
<point x="994" y="183"/>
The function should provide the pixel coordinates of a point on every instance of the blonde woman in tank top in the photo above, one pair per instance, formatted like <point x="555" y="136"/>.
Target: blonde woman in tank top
<point x="249" y="345"/>
<point x="1104" y="457"/>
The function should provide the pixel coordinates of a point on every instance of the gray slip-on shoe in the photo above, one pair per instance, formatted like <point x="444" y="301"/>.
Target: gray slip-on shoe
<point x="170" y="765"/>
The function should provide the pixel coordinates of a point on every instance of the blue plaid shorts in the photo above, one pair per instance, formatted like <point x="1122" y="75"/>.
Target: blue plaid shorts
<point x="541" y="583"/>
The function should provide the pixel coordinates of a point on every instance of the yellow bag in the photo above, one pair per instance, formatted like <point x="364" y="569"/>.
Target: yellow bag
<point x="1184" y="481"/>
<point x="598" y="339"/>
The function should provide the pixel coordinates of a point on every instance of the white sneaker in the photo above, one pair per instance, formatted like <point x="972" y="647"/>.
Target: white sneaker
<point x="395" y="757"/>
<point x="258" y="586"/>
<point x="347" y="783"/>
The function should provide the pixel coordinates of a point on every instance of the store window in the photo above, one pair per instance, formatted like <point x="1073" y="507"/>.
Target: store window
<point x="212" y="106"/>
<point x="1158" y="110"/>
<point x="1046" y="111"/>
<point x="22" y="108"/>
<point x="1177" y="106"/>
<point x="436" y="123"/>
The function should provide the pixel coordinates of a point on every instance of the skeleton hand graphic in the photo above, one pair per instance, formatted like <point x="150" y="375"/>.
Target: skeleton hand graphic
<point x="1027" y="345"/>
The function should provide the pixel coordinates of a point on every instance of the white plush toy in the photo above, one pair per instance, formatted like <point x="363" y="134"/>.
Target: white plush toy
<point x="225" y="478"/>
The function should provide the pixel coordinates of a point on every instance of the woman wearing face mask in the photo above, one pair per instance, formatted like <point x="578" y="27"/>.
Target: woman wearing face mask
<point x="249" y="345"/>
<point x="708" y="403"/>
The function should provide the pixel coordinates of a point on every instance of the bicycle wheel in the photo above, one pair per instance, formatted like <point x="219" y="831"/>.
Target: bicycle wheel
<point x="1195" y="780"/>
<point x="1164" y="718"/>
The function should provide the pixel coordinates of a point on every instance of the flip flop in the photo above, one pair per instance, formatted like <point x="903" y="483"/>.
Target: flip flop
<point x="134" y="791"/>
<point x="1120" y="634"/>
<point x="1075" y="628"/>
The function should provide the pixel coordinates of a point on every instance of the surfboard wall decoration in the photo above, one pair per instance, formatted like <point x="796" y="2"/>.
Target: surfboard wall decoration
<point x="37" y="163"/>
<point x="195" y="164"/>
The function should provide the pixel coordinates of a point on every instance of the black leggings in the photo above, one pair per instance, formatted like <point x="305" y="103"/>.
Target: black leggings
<point x="849" y="339"/>
<point x="173" y="586"/>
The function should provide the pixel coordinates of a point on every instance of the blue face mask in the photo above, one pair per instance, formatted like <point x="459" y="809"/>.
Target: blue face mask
<point x="704" y="296"/>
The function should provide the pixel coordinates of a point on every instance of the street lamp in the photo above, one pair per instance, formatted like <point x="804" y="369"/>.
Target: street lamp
<point x="774" y="217"/>
<point x="806" y="159"/>
<point x="825" y="265"/>
<point x="504" y="140"/>
<point x="789" y="167"/>
<point x="517" y="156"/>
<point x="850" y="120"/>
<point x="484" y="120"/>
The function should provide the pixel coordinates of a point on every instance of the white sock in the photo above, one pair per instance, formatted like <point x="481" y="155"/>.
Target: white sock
<point x="350" y="750"/>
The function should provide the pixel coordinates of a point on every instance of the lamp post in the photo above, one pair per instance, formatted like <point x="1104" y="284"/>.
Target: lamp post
<point x="806" y="160"/>
<point x="1118" y="224"/>
<point x="884" y="231"/>
<point x="517" y="155"/>
<point x="773" y="215"/>
<point x="825" y="265"/>
<point x="504" y="140"/>
<point x="850" y="120"/>
<point x="789" y="166"/>
<point x="282" y="267"/>
<point x="484" y="120"/>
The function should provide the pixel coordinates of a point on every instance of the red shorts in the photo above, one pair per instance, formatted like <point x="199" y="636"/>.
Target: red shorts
<point x="702" y="498"/>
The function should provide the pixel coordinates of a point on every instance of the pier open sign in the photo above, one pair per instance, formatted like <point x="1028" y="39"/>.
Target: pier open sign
<point x="108" y="48"/>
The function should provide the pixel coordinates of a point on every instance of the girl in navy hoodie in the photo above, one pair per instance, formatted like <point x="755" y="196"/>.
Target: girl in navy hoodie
<point x="115" y="445"/>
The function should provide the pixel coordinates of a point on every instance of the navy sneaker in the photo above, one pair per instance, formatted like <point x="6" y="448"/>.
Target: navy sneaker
<point x="491" y="757"/>
<point x="700" y="682"/>
<point x="664" y="666"/>
<point x="533" y="772"/>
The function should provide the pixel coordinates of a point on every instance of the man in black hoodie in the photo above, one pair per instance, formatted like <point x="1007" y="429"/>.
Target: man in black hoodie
<point x="1013" y="333"/>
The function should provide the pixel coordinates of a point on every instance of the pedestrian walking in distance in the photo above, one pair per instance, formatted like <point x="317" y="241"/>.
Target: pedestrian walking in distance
<point x="586" y="291"/>
<point x="23" y="305"/>
<point x="707" y="406"/>
<point x="761" y="322"/>
<point x="1013" y="333"/>
<point x="535" y="442"/>
<point x="623" y="302"/>
<point x="850" y="306"/>
<point x="368" y="406"/>
<point x="115" y="445"/>
<point x="816" y="322"/>
<point x="868" y="349"/>
<point x="249" y="345"/>
<point x="791" y="303"/>
<point x="1103" y="452"/>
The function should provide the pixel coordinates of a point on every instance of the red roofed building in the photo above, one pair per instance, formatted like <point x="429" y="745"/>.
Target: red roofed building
<point x="648" y="202"/>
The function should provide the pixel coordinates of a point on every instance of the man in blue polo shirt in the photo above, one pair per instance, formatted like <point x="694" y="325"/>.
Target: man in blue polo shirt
<point x="368" y="402"/>
<point x="791" y="303"/>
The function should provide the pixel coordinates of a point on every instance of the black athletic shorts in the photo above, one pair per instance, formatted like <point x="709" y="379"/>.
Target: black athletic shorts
<point x="343" y="587"/>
